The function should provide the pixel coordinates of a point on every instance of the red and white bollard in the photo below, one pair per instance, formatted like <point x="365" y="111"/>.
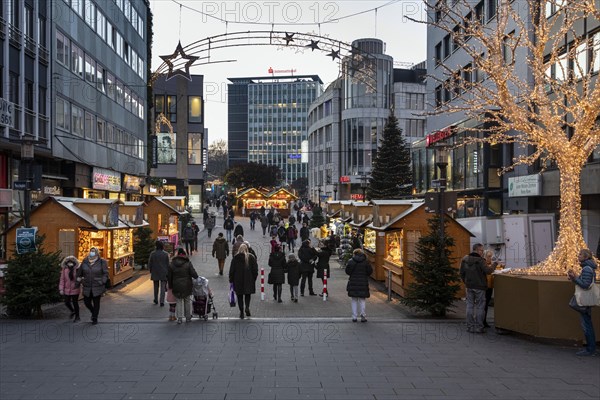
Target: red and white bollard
<point x="324" y="285"/>
<point x="262" y="284"/>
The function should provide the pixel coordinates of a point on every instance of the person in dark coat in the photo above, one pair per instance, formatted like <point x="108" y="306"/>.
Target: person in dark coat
<point x="239" y="240"/>
<point x="158" y="264"/>
<point x="231" y="214"/>
<point x="264" y="224"/>
<point x="358" y="270"/>
<point x="210" y="224"/>
<point x="308" y="257"/>
<point x="243" y="272"/>
<point x="220" y="251"/>
<point x="93" y="274"/>
<point x="277" y="273"/>
<point x="253" y="218"/>
<point x="584" y="280"/>
<point x="324" y="254"/>
<point x="304" y="232"/>
<point x="228" y="226"/>
<point x="187" y="237"/>
<point x="180" y="275"/>
<point x="473" y="271"/>
<point x="196" y="229"/>
<point x="293" y="276"/>
<point x="238" y="231"/>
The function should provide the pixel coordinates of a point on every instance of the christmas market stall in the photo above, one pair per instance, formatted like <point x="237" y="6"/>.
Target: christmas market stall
<point x="164" y="215"/>
<point x="252" y="199"/>
<point x="392" y="237"/>
<point x="74" y="225"/>
<point x="362" y="215"/>
<point x="281" y="200"/>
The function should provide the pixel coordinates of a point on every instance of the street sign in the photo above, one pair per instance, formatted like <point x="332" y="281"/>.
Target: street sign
<point x="7" y="113"/>
<point x="26" y="240"/>
<point x="21" y="185"/>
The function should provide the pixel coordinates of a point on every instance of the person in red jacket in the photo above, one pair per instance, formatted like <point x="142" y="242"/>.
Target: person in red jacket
<point x="68" y="285"/>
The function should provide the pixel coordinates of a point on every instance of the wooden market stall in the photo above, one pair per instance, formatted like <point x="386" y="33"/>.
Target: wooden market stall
<point x="362" y="215"/>
<point x="391" y="239"/>
<point x="74" y="225"/>
<point x="252" y="199"/>
<point x="164" y="214"/>
<point x="281" y="200"/>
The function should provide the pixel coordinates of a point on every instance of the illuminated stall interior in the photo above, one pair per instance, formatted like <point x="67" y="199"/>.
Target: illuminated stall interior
<point x="164" y="215"/>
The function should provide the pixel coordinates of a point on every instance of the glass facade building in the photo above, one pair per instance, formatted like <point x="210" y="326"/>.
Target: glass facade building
<point x="276" y="121"/>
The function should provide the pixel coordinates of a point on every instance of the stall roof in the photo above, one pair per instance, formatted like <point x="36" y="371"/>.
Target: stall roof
<point x="243" y="192"/>
<point x="361" y="204"/>
<point x="415" y="204"/>
<point x="334" y="214"/>
<point x="72" y="207"/>
<point x="397" y="202"/>
<point x="347" y="219"/>
<point x="175" y="211"/>
<point x="133" y="203"/>
<point x="78" y="200"/>
<point x="274" y="192"/>
<point x="362" y="223"/>
<point x="172" y="197"/>
<point x="346" y="202"/>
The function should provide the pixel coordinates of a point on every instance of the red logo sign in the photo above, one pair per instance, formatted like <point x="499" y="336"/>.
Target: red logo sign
<point x="270" y="70"/>
<point x="344" y="179"/>
<point x="440" y="135"/>
<point x="356" y="196"/>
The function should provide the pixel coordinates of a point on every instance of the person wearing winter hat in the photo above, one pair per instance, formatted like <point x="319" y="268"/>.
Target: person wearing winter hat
<point x="68" y="285"/>
<point x="179" y="278"/>
<point x="93" y="274"/>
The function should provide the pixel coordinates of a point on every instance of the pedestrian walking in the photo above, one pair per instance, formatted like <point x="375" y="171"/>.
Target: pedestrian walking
<point x="277" y="273"/>
<point x="172" y="300"/>
<point x="239" y="240"/>
<point x="231" y="214"/>
<point x="282" y="235"/>
<point x="292" y="235"/>
<point x="158" y="264"/>
<point x="210" y="224"/>
<point x="243" y="272"/>
<point x="358" y="270"/>
<point x="220" y="251"/>
<point x="93" y="274"/>
<point x="243" y="211"/>
<point x="253" y="218"/>
<point x="264" y="224"/>
<point x="187" y="237"/>
<point x="180" y="275"/>
<point x="308" y="258"/>
<point x="584" y="281"/>
<point x="228" y="226"/>
<point x="204" y="215"/>
<point x="68" y="285"/>
<point x="324" y="254"/>
<point x="304" y="232"/>
<point x="196" y="229"/>
<point x="473" y="271"/>
<point x="238" y="231"/>
<point x="273" y="243"/>
<point x="293" y="276"/>
<point x="489" y="291"/>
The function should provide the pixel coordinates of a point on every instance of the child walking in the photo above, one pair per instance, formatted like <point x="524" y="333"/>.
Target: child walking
<point x="172" y="300"/>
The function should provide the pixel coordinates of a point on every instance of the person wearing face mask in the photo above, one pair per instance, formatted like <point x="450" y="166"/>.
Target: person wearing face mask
<point x="68" y="285"/>
<point x="93" y="274"/>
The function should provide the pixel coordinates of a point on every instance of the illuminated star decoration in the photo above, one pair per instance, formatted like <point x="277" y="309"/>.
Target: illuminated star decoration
<point x="314" y="45"/>
<point x="169" y="61"/>
<point x="334" y="54"/>
<point x="289" y="37"/>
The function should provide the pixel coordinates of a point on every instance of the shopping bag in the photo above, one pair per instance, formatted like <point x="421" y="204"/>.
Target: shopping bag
<point x="588" y="297"/>
<point x="232" y="298"/>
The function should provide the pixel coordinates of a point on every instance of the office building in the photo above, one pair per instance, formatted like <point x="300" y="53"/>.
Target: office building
<point x="268" y="121"/>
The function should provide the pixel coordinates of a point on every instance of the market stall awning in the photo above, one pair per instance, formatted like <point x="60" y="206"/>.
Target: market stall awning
<point x="334" y="214"/>
<point x="164" y="200"/>
<point x="414" y="205"/>
<point x="361" y="224"/>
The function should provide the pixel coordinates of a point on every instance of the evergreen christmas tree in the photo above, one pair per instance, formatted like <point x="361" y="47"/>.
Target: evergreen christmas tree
<point x="317" y="220"/>
<point x="143" y="245"/>
<point x="436" y="282"/>
<point x="391" y="167"/>
<point x="31" y="281"/>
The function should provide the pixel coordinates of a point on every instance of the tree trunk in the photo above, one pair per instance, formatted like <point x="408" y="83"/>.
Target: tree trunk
<point x="570" y="238"/>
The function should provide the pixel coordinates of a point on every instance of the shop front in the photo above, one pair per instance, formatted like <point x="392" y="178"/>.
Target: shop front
<point x="252" y="199"/>
<point x="73" y="226"/>
<point x="281" y="200"/>
<point x="164" y="216"/>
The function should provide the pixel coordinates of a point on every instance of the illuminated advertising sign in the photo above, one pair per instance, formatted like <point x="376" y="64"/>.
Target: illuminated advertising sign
<point x="344" y="179"/>
<point x="104" y="179"/>
<point x="439" y="136"/>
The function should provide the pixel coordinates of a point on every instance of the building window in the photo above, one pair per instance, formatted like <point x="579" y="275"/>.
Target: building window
<point x="13" y="87"/>
<point x="90" y="69"/>
<point x="77" y="60"/>
<point x="90" y="126"/>
<point x="159" y="104"/>
<point x="28" y="20"/>
<point x="101" y="24"/>
<point x="63" y="116"/>
<point x="415" y="101"/>
<point x="171" y="113"/>
<point x="456" y="38"/>
<point x="128" y="99"/>
<point x="90" y="14"/>
<point x="438" y="53"/>
<point x="447" y="48"/>
<point x="415" y="128"/>
<point x="77" y="6"/>
<point x="41" y="39"/>
<point x="507" y="48"/>
<point x="77" y="120"/>
<point x="491" y="8"/>
<point x="110" y="85"/>
<point x="42" y="109"/>
<point x="100" y="135"/>
<point x="479" y="13"/>
<point x="194" y="148"/>
<point x="120" y="93"/>
<point x="195" y="109"/>
<point x="100" y="83"/>
<point x="62" y="49"/>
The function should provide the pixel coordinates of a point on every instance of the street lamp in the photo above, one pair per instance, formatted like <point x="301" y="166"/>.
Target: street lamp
<point x="441" y="160"/>
<point x="364" y="182"/>
<point x="319" y="191"/>
<point x="27" y="156"/>
<point x="335" y="189"/>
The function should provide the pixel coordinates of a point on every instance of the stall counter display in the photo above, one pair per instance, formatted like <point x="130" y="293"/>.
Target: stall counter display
<point x="393" y="244"/>
<point x="370" y="240"/>
<point x="255" y="204"/>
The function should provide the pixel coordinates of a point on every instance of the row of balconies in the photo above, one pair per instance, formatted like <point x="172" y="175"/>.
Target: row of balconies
<point x="17" y="39"/>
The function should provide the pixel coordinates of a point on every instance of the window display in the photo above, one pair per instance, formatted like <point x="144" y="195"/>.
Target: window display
<point x="123" y="244"/>
<point x="370" y="238"/>
<point x="393" y="244"/>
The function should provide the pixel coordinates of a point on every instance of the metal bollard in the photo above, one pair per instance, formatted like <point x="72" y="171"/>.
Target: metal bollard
<point x="262" y="284"/>
<point x="325" y="285"/>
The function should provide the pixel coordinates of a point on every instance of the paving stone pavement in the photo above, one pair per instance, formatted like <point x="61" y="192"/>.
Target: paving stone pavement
<point x="308" y="350"/>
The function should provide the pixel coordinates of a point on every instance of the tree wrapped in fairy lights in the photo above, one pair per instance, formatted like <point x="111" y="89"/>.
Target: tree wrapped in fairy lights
<point x="551" y="110"/>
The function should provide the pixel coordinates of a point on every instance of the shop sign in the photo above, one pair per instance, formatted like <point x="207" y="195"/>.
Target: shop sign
<point x="344" y="179"/>
<point x="7" y="117"/>
<point x="131" y="183"/>
<point x="356" y="196"/>
<point x="439" y="136"/>
<point x="153" y="151"/>
<point x="524" y="186"/>
<point x="54" y="190"/>
<point x="294" y="156"/>
<point x="103" y="179"/>
<point x="26" y="240"/>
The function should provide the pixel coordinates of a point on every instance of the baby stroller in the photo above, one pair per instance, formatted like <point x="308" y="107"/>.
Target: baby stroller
<point x="203" y="299"/>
